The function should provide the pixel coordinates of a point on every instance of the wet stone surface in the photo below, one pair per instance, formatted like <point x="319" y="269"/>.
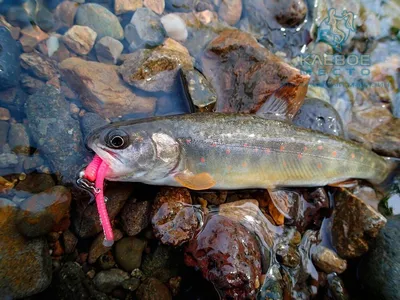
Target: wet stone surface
<point x="9" y="61"/>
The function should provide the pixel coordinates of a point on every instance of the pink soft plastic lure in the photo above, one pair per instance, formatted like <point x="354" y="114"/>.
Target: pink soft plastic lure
<point x="96" y="171"/>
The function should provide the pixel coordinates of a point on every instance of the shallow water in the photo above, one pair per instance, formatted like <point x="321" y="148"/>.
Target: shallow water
<point x="68" y="67"/>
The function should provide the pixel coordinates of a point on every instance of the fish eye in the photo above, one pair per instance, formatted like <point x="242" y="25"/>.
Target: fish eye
<point x="117" y="139"/>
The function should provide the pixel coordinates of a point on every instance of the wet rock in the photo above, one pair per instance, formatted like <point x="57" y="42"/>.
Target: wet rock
<point x="43" y="212"/>
<point x="288" y="255"/>
<point x="107" y="281"/>
<point x="56" y="134"/>
<point x="319" y="115"/>
<point x="15" y="31"/>
<point x="198" y="89"/>
<point x="153" y="289"/>
<point x="157" y="6"/>
<point x="30" y="84"/>
<point x="18" y="139"/>
<point x="80" y="39"/>
<point x="4" y="114"/>
<point x="384" y="139"/>
<point x="25" y="264"/>
<point x="9" y="60"/>
<point x="39" y="65"/>
<point x="327" y="260"/>
<point x="35" y="183"/>
<point x="101" y="90"/>
<point x="231" y="263"/>
<point x="4" y="127"/>
<point x="97" y="248"/>
<point x="8" y="160"/>
<point x="161" y="264"/>
<point x="145" y="30"/>
<point x="230" y="11"/>
<point x="378" y="270"/>
<point x="175" y="27"/>
<point x="65" y="13"/>
<point x="154" y="70"/>
<point x="86" y="220"/>
<point x="45" y="19"/>
<point x="336" y="287"/>
<point x="135" y="216"/>
<point x="128" y="253"/>
<point x="396" y="106"/>
<point x="246" y="75"/>
<point x="131" y="284"/>
<point x="125" y="6"/>
<point x="100" y="19"/>
<point x="354" y="224"/>
<point x="31" y="36"/>
<point x="106" y="261"/>
<point x="90" y="122"/>
<point x="108" y="50"/>
<point x="72" y="281"/>
<point x="180" y="5"/>
<point x="70" y="241"/>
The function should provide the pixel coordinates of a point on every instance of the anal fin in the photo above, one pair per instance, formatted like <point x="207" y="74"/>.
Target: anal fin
<point x="201" y="181"/>
<point x="345" y="184"/>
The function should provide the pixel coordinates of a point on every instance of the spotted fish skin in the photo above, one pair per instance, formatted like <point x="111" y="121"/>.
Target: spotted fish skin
<point x="237" y="151"/>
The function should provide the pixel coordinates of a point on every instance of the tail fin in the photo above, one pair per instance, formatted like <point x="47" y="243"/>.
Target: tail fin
<point x="393" y="170"/>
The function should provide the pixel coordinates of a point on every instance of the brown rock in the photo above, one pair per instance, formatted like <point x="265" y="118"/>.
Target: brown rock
<point x="65" y="13"/>
<point x="80" y="39"/>
<point x="39" y="65"/>
<point x="31" y="37"/>
<point x="135" y="216"/>
<point x="70" y="241"/>
<point x="327" y="260"/>
<point x="227" y="255"/>
<point x="15" y="31"/>
<point x="101" y="90"/>
<point x="97" y="248"/>
<point x="153" y="289"/>
<point x="42" y="212"/>
<point x="125" y="6"/>
<point x="30" y="84"/>
<point x="230" y="11"/>
<point x="246" y="75"/>
<point x="157" y="6"/>
<point x="35" y="183"/>
<point x="128" y="253"/>
<point x="4" y="114"/>
<point x="354" y="224"/>
<point x="108" y="50"/>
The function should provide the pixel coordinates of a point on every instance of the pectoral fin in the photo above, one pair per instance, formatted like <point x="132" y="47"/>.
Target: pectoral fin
<point x="202" y="181"/>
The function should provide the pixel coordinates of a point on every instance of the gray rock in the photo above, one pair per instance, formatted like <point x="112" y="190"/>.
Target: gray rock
<point x="180" y="5"/>
<point x="4" y="126"/>
<point x="131" y="284"/>
<point x="90" y="122"/>
<point x="145" y="30"/>
<point x="25" y="264"/>
<point x="135" y="216"/>
<point x="30" y="84"/>
<point x="39" y="65"/>
<point x="380" y="268"/>
<point x="107" y="281"/>
<point x="108" y="50"/>
<point x="56" y="134"/>
<point x="396" y="106"/>
<point x="128" y="253"/>
<point x="100" y="19"/>
<point x="18" y="139"/>
<point x="9" y="60"/>
<point x="72" y="283"/>
<point x="8" y="160"/>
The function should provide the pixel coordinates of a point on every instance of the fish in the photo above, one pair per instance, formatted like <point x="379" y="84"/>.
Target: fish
<point x="230" y="151"/>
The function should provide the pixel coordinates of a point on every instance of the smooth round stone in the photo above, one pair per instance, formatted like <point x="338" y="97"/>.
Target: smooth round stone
<point x="9" y="60"/>
<point x="319" y="115"/>
<point x="175" y="27"/>
<point x="100" y="19"/>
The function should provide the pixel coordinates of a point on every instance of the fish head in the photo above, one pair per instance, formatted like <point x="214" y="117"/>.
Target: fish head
<point x="135" y="154"/>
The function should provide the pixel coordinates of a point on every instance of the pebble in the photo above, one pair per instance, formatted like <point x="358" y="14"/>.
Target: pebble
<point x="145" y="30"/>
<point x="354" y="224"/>
<point x="65" y="13"/>
<point x="70" y="241"/>
<point x="153" y="289"/>
<point x="35" y="183"/>
<point x="97" y="248"/>
<point x="106" y="261"/>
<point x="108" y="50"/>
<point x="43" y="212"/>
<point x="230" y="11"/>
<point x="100" y="19"/>
<point x="135" y="216"/>
<point x="41" y="66"/>
<point x="80" y="39"/>
<point x="18" y="139"/>
<point x="9" y="60"/>
<point x="131" y="284"/>
<point x="107" y="281"/>
<point x="161" y="264"/>
<point x="175" y="27"/>
<point x="31" y="36"/>
<point x="56" y="134"/>
<point x="128" y="253"/>
<point x="4" y="114"/>
<point x="92" y="80"/>
<point x="25" y="265"/>
<point x="45" y="19"/>
<point x="126" y="6"/>
<point x="327" y="260"/>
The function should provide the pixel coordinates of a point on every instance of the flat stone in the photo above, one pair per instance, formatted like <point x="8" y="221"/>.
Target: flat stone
<point x="101" y="90"/>
<point x="100" y="19"/>
<point x="65" y="13"/>
<point x="157" y="6"/>
<point x="31" y="84"/>
<point x="108" y="50"/>
<point x="80" y="39"/>
<point x="175" y="27"/>
<point x="9" y="60"/>
<point x="125" y="6"/>
<point x="38" y="64"/>
<point x="31" y="36"/>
